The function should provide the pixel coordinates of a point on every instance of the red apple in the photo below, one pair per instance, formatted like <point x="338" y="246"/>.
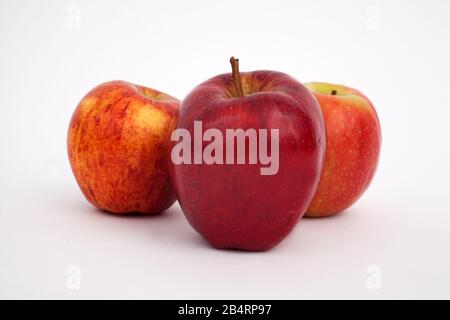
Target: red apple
<point x="118" y="142"/>
<point x="353" y="147"/>
<point x="231" y="201"/>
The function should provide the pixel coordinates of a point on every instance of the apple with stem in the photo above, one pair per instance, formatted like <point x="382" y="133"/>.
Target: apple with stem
<point x="118" y="142"/>
<point x="353" y="147"/>
<point x="219" y="176"/>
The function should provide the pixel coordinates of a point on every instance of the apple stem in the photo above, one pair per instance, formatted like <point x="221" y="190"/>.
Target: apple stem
<point x="236" y="76"/>
<point x="333" y="92"/>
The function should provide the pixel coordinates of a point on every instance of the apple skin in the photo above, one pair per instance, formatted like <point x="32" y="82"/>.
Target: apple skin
<point x="231" y="205"/>
<point x="353" y="148"/>
<point x="117" y="142"/>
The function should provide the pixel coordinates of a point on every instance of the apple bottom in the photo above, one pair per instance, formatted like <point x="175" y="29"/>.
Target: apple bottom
<point x="235" y="207"/>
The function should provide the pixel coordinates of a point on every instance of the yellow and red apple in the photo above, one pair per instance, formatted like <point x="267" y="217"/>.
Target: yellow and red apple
<point x="118" y="143"/>
<point x="353" y="137"/>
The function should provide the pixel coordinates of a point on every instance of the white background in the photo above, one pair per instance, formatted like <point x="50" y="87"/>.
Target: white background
<point x="53" y="52"/>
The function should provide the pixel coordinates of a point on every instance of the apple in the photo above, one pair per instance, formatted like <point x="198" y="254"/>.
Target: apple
<point x="230" y="191"/>
<point x="118" y="141"/>
<point x="353" y="147"/>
